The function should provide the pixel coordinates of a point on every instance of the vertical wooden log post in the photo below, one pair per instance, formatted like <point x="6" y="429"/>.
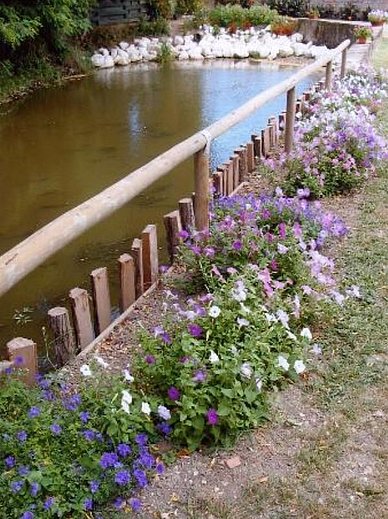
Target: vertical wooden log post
<point x="223" y="181"/>
<point x="64" y="342"/>
<point x="23" y="354"/>
<point x="250" y="157"/>
<point x="127" y="281"/>
<point x="230" y="176"/>
<point x="137" y="255"/>
<point x="79" y="299"/>
<point x="186" y="211"/>
<point x="241" y="152"/>
<point x="266" y="141"/>
<point x="172" y="223"/>
<point x="236" y="170"/>
<point x="217" y="184"/>
<point x="257" y="146"/>
<point x="329" y="76"/>
<point x="201" y="182"/>
<point x="282" y="122"/>
<point x="273" y="121"/>
<point x="290" y="120"/>
<point x="101" y="298"/>
<point x="150" y="255"/>
<point x="343" y="62"/>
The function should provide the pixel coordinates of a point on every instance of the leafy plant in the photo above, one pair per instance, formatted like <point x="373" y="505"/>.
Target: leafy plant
<point x="295" y="8"/>
<point x="363" y="32"/>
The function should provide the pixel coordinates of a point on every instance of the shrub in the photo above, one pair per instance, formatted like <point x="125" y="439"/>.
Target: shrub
<point x="295" y="8"/>
<point x="188" y="6"/>
<point x="224" y="16"/>
<point x="283" y="26"/>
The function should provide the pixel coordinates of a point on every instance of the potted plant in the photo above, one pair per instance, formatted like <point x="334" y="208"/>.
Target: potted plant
<point x="377" y="17"/>
<point x="313" y="14"/>
<point x="283" y="26"/>
<point x="362" y="33"/>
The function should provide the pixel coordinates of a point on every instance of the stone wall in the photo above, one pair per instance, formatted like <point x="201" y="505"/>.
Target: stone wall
<point x="362" y="4"/>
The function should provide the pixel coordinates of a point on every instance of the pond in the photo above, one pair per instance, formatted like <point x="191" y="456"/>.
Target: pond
<point x="61" y="146"/>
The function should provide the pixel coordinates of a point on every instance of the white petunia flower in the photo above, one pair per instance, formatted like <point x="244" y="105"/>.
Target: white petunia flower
<point x="246" y="370"/>
<point x="283" y="363"/>
<point x="214" y="311"/>
<point x="125" y="406"/>
<point x="299" y="366"/>
<point x="306" y="333"/>
<point x="259" y="384"/>
<point x="128" y="377"/>
<point x="283" y="318"/>
<point x="145" y="408"/>
<point x="85" y="370"/>
<point x="242" y="322"/>
<point x="164" y="413"/>
<point x="127" y="397"/>
<point x="271" y="318"/>
<point x="282" y="249"/>
<point x="102" y="362"/>
<point x="354" y="291"/>
<point x="214" y="358"/>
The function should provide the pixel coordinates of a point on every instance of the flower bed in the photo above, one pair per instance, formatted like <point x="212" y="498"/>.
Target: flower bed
<point x="259" y="283"/>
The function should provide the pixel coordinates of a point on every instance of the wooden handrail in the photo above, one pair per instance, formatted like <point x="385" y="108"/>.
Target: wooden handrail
<point x="34" y="250"/>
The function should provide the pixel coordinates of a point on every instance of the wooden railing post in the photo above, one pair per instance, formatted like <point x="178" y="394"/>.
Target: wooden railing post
<point x="290" y="120"/>
<point x="201" y="182"/>
<point x="329" y="76"/>
<point x="127" y="281"/>
<point x="343" y="62"/>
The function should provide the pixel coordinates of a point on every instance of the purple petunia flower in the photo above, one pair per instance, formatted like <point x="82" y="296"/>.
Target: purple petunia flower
<point x="23" y="470"/>
<point x="88" y="504"/>
<point x="146" y="459"/>
<point x="195" y="330"/>
<point x="19" y="361"/>
<point x="48" y="503"/>
<point x="48" y="395"/>
<point x="118" y="503"/>
<point x="199" y="376"/>
<point x="183" y="235"/>
<point x="141" y="439"/>
<point x="124" y="450"/>
<point x="34" y="412"/>
<point x="164" y="428"/>
<point x="237" y="245"/>
<point x="94" y="486"/>
<point x="9" y="462"/>
<point x="84" y="416"/>
<point x="173" y="393"/>
<point x="35" y="487"/>
<point x="56" y="429"/>
<point x="141" y="478"/>
<point x="160" y="468"/>
<point x="122" y="477"/>
<point x="27" y="515"/>
<point x="89" y="435"/>
<point x="108" y="459"/>
<point x="16" y="486"/>
<point x="72" y="403"/>
<point x="150" y="359"/>
<point x="212" y="417"/>
<point x="21" y="436"/>
<point x="135" y="504"/>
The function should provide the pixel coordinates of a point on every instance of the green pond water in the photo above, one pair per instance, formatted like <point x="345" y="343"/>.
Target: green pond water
<point x="64" y="145"/>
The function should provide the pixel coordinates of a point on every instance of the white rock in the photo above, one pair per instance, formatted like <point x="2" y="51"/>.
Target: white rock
<point x="183" y="55"/>
<point x="108" y="62"/>
<point x="123" y="45"/>
<point x="97" y="60"/>
<point x="178" y="40"/>
<point x="103" y="51"/>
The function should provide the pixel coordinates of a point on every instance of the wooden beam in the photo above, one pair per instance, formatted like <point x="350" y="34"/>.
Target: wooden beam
<point x="101" y="298"/>
<point x="172" y="223"/>
<point x="137" y="255"/>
